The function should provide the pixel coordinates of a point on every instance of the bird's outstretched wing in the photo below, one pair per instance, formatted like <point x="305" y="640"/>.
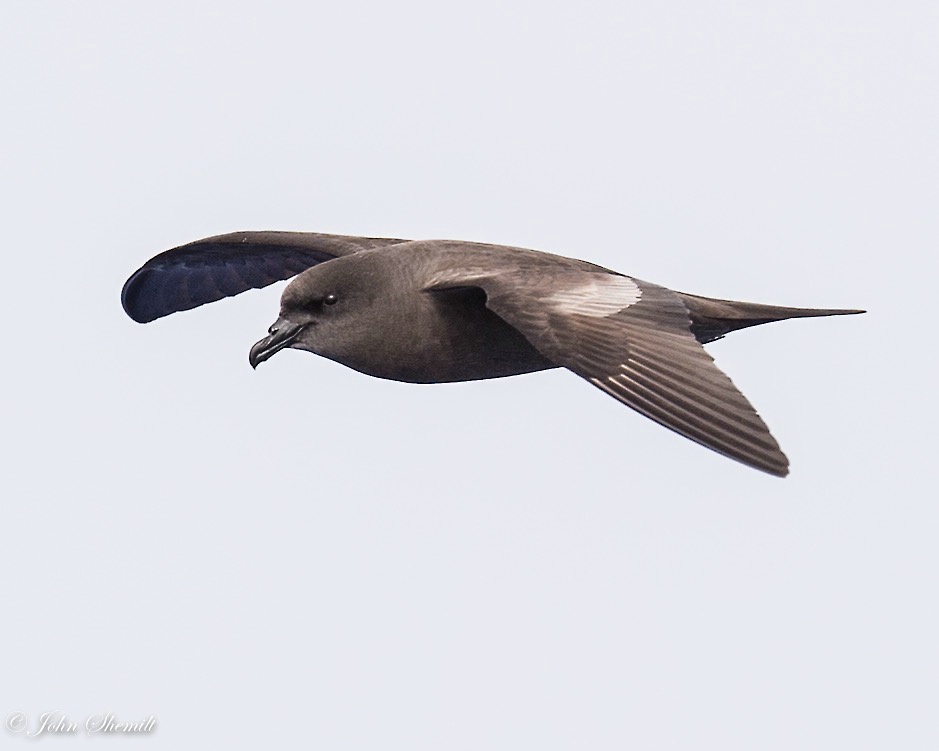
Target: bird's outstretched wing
<point x="633" y="340"/>
<point x="208" y="270"/>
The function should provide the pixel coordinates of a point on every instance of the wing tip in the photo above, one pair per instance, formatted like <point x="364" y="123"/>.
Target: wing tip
<point x="143" y="298"/>
<point x="767" y="458"/>
<point x="780" y="470"/>
<point x="130" y="299"/>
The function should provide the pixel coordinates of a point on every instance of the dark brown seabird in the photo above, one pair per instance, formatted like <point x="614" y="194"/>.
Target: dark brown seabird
<point x="438" y="310"/>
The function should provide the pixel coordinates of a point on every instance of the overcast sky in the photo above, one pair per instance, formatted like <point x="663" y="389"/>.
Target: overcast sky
<point x="304" y="556"/>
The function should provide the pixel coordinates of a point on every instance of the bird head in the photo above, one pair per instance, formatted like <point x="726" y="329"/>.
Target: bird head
<point x="324" y="310"/>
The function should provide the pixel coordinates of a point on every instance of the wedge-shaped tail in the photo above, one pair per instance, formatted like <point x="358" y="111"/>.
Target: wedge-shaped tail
<point x="711" y="319"/>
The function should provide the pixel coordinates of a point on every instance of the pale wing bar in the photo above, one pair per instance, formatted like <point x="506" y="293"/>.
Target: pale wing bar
<point x="646" y="357"/>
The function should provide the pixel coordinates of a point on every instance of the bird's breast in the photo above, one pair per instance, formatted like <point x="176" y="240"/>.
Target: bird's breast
<point x="449" y="336"/>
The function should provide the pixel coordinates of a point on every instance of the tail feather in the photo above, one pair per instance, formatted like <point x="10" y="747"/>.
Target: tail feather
<point x="711" y="319"/>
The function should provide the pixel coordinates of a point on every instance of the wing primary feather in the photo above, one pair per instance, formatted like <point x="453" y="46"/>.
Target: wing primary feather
<point x="208" y="270"/>
<point x="773" y="462"/>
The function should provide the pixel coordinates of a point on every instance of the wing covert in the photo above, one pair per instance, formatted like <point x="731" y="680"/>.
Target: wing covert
<point x="633" y="340"/>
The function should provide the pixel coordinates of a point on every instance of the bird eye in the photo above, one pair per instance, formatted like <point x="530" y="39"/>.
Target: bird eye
<point x="330" y="300"/>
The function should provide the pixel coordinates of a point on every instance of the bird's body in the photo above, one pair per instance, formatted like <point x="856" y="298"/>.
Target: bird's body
<point x="445" y="332"/>
<point x="438" y="311"/>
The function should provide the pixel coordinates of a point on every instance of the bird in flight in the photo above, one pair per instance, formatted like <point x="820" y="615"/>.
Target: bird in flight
<point x="435" y="311"/>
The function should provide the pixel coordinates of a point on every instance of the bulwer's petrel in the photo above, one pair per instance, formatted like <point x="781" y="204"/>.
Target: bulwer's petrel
<point x="437" y="310"/>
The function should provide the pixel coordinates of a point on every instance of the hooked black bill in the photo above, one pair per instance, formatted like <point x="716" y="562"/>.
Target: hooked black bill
<point x="281" y="335"/>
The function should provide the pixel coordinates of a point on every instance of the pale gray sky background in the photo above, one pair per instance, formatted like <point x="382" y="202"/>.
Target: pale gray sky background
<point x="303" y="556"/>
